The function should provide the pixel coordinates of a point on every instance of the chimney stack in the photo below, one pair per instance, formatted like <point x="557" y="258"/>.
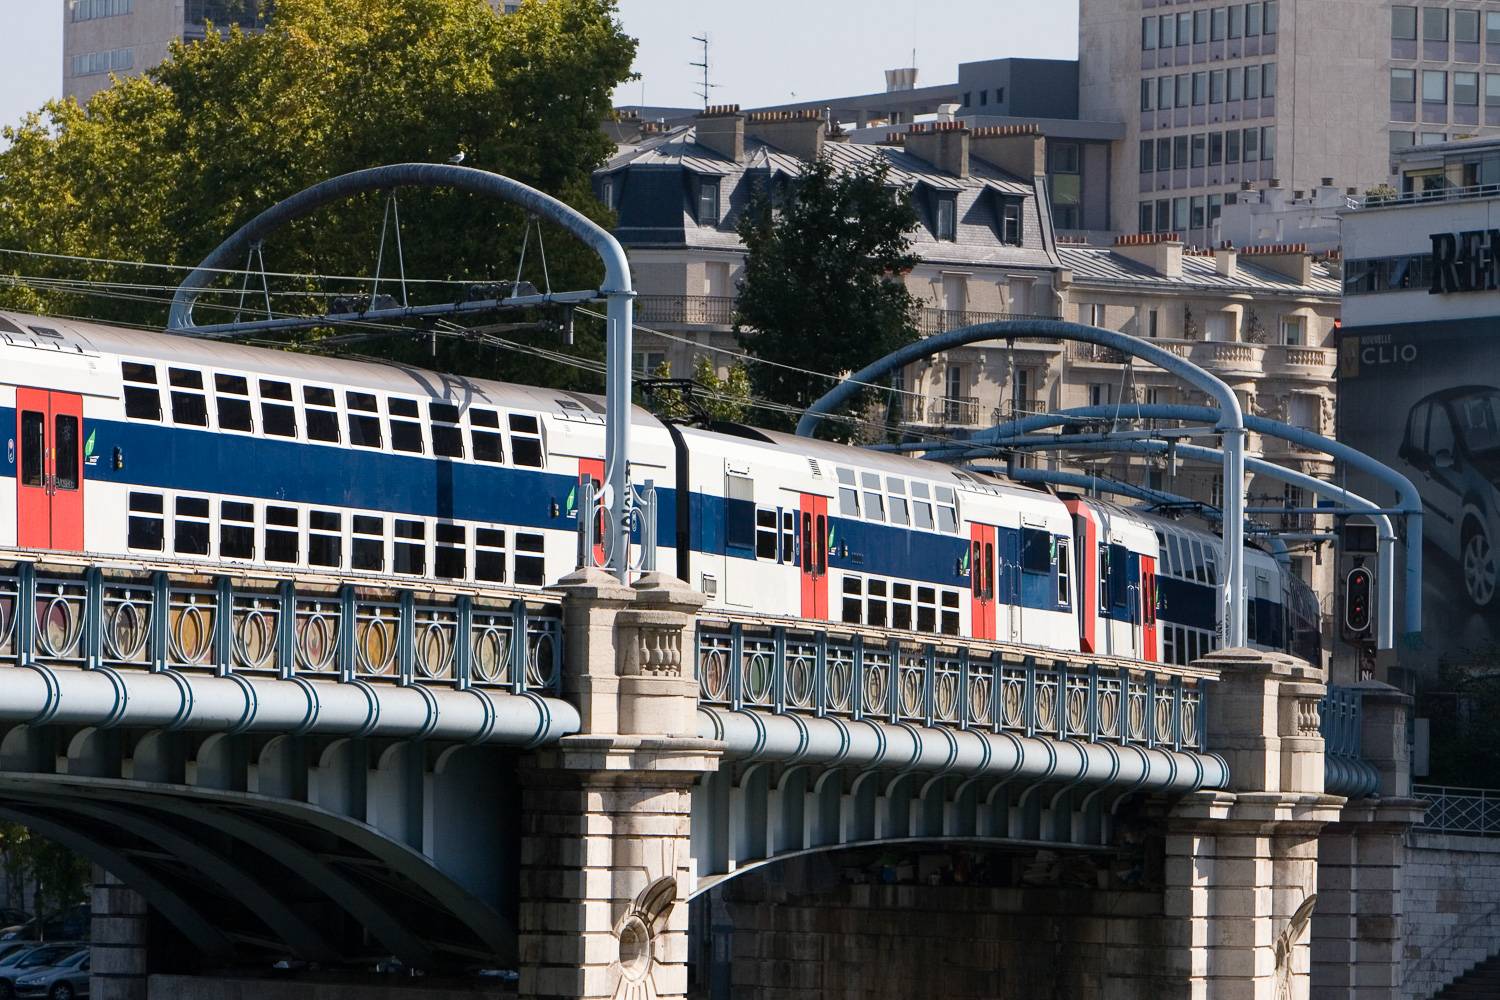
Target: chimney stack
<point x="1227" y="260"/>
<point x="945" y="145"/>
<point x="797" y="132"/>
<point x="1162" y="252"/>
<point x="1289" y="259"/>
<point x="721" y="128"/>
<point x="1016" y="149"/>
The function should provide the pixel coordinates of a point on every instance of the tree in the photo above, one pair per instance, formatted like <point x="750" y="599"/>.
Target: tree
<point x="710" y="397"/>
<point x="163" y="166"/>
<point x="822" y="289"/>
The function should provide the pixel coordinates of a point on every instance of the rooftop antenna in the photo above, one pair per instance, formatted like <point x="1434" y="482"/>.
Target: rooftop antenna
<point x="707" y="87"/>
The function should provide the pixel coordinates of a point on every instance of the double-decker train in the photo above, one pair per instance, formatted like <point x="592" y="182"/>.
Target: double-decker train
<point x="157" y="447"/>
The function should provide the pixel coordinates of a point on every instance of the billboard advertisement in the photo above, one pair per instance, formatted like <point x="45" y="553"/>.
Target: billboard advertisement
<point x="1424" y="398"/>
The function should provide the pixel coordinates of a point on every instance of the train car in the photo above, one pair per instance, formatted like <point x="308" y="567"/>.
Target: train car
<point x="1117" y="557"/>
<point x="155" y="446"/>
<point x="165" y="448"/>
<point x="808" y="529"/>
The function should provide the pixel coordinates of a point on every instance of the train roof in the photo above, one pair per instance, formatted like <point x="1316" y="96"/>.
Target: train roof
<point x="86" y="337"/>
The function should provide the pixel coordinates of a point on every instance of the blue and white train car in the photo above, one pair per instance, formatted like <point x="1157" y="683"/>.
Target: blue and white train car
<point x="813" y="530"/>
<point x="160" y="446"/>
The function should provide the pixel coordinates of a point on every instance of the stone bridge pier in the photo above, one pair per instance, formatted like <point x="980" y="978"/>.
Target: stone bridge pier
<point x="1215" y="900"/>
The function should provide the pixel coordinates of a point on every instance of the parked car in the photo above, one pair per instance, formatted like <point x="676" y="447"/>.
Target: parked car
<point x="27" y="961"/>
<point x="66" y="980"/>
<point x="1452" y="439"/>
<point x="71" y="924"/>
<point x="11" y="918"/>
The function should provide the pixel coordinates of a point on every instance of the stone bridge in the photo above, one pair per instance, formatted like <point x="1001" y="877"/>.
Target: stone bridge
<point x="618" y="794"/>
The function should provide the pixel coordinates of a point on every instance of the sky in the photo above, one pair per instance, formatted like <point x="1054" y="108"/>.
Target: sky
<point x="761" y="52"/>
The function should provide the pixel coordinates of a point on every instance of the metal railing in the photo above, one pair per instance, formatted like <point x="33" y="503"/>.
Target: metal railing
<point x="1431" y="195"/>
<point x="1339" y="719"/>
<point x="932" y="320"/>
<point x="1472" y="812"/>
<point x="691" y="310"/>
<point x="890" y="678"/>
<point x="129" y="619"/>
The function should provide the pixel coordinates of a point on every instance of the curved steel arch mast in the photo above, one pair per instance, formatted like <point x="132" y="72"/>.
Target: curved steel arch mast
<point x="616" y="291"/>
<point x="1229" y="420"/>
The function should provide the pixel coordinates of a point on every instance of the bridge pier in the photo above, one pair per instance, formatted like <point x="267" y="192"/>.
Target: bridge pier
<point x="606" y="867"/>
<point x="1242" y="864"/>
<point x="117" y="940"/>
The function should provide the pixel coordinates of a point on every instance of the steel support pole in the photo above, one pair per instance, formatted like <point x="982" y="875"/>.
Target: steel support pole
<point x="617" y="430"/>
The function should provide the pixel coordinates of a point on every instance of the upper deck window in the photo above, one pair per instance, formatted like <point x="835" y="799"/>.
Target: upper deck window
<point x="406" y="435"/>
<point x="189" y="405"/>
<point x="232" y="397"/>
<point x="277" y="418"/>
<point x="321" y="407"/>
<point x="525" y="440"/>
<point x="364" y="419"/>
<point x="141" y="402"/>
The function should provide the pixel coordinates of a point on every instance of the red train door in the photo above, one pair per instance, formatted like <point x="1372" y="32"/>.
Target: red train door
<point x="1150" y="651"/>
<point x="814" y="556"/>
<point x="982" y="580"/>
<point x="49" y="480"/>
<point x="593" y="468"/>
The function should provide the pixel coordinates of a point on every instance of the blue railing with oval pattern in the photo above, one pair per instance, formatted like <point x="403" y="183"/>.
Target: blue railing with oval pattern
<point x="890" y="678"/>
<point x="279" y="627"/>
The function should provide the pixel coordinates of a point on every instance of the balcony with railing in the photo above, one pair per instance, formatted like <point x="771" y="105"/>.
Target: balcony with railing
<point x="949" y="411"/>
<point x="1289" y="361"/>
<point x="685" y="310"/>
<point x="932" y="320"/>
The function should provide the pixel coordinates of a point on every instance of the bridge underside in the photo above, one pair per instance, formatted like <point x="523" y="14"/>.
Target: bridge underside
<point x="257" y="849"/>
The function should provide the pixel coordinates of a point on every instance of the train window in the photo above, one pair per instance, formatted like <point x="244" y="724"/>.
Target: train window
<point x="189" y="405"/>
<point x="190" y="528"/>
<point x="322" y="413"/>
<point x="1103" y="579"/>
<point x="788" y="536"/>
<point x="364" y="423"/>
<point x="486" y="443"/>
<point x="848" y="495"/>
<point x="447" y="436"/>
<point x="277" y="418"/>
<point x="147" y="528"/>
<point x="410" y="548"/>
<point x="739" y="514"/>
<point x="875" y="604"/>
<point x="922" y="514"/>
<point x="1064" y="574"/>
<point x="33" y="448"/>
<point x="65" y="459"/>
<point x="950" y="612"/>
<point x="1119" y="576"/>
<point x="1148" y="597"/>
<point x="367" y="550"/>
<point x="901" y="605"/>
<point x="406" y="435"/>
<point x="874" y="500"/>
<point x="820" y="546"/>
<point x="899" y="512"/>
<point x="1200" y="571"/>
<point x="1174" y="555"/>
<point x="926" y="609"/>
<point x="232" y="396"/>
<point x="450" y="558"/>
<point x="853" y="599"/>
<point x="525" y="440"/>
<point x="325" y="538"/>
<point x="489" y="554"/>
<point x="766" y="535"/>
<point x="947" y="511"/>
<point x="1211" y="563"/>
<point x="236" y="530"/>
<point x="1036" y="550"/>
<point x="281" y="534"/>
<point x="141" y="403"/>
<point x="1169" y="644"/>
<point x="531" y="566"/>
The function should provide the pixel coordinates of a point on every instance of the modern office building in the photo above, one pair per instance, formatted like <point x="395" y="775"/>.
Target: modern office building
<point x="1278" y="91"/>
<point x="1419" y="378"/>
<point x="125" y="37"/>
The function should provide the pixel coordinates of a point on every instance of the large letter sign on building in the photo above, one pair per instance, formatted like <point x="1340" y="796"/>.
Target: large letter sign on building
<point x="1465" y="262"/>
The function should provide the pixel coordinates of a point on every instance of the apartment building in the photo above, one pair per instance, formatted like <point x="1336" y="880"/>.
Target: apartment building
<point x="1299" y="93"/>
<point x="1262" y="319"/>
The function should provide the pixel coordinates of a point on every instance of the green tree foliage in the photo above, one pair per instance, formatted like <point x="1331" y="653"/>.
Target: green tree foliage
<point x="163" y="166"/>
<point x="713" y="398"/>
<point x="822" y="288"/>
<point x="58" y="876"/>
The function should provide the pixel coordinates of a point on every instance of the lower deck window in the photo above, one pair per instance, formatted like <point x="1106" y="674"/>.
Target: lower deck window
<point x="147" y="528"/>
<point x="282" y="525"/>
<point x="190" y="529"/>
<point x="926" y="609"/>
<point x="950" y="612"/>
<point x="236" y="530"/>
<point x="410" y="552"/>
<point x="531" y="566"/>
<point x="853" y="599"/>
<point x="489" y="555"/>
<point x="367" y="550"/>
<point x="451" y="556"/>
<point x="325" y="538"/>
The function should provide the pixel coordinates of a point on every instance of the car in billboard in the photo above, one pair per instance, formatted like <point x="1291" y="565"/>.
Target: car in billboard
<point x="1452" y="440"/>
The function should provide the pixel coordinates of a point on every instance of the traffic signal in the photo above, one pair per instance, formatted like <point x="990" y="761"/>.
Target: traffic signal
<point x="1358" y="586"/>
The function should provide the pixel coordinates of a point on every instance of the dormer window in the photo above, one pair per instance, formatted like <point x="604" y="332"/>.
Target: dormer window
<point x="947" y="216"/>
<point x="607" y="192"/>
<point x="708" y="201"/>
<point x="1010" y="222"/>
